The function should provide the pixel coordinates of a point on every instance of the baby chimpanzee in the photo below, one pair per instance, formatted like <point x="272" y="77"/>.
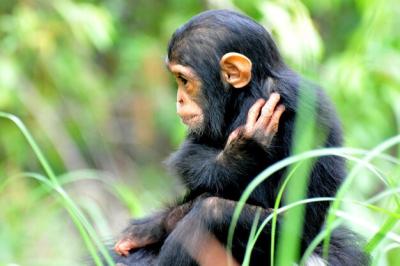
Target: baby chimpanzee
<point x="234" y="90"/>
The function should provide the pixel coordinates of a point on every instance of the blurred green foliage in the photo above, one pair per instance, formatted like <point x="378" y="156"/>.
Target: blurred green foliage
<point x="88" y="79"/>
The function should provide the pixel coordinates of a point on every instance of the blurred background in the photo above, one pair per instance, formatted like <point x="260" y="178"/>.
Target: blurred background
<point x="88" y="80"/>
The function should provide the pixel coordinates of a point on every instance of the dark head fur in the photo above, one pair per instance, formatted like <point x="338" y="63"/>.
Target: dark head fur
<point x="201" y="43"/>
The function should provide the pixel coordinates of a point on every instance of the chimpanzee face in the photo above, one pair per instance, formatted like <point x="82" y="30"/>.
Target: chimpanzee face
<point x="235" y="71"/>
<point x="188" y="104"/>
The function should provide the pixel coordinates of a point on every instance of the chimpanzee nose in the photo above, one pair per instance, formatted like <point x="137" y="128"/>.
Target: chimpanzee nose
<point x="180" y="97"/>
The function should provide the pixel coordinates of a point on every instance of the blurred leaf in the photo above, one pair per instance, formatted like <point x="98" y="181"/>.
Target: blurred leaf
<point x="87" y="22"/>
<point x="293" y="29"/>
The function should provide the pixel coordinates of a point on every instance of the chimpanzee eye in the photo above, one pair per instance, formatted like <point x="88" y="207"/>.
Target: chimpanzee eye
<point x="183" y="80"/>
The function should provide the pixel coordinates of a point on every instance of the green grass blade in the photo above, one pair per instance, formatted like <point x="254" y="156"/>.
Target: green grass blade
<point x="74" y="211"/>
<point x="275" y="213"/>
<point x="388" y="225"/>
<point x="83" y="233"/>
<point x="316" y="241"/>
<point x="347" y="185"/>
<point x="247" y="255"/>
<point x="284" y="163"/>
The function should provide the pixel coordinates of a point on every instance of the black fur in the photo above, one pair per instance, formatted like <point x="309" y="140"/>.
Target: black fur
<point x="200" y="44"/>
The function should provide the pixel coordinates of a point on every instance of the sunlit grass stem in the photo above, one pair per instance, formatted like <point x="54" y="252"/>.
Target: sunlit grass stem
<point x="84" y="227"/>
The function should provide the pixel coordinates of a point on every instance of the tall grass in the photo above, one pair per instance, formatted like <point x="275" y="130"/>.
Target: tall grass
<point x="294" y="187"/>
<point x="298" y="165"/>
<point x="85" y="228"/>
<point x="391" y="190"/>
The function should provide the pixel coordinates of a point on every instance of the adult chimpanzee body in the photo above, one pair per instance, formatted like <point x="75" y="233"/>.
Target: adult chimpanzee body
<point x="225" y="64"/>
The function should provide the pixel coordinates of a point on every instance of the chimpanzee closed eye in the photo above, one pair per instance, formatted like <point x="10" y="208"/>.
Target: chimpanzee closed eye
<point x="239" y="101"/>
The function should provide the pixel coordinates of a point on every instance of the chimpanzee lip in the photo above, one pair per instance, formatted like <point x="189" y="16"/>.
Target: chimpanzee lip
<point x="188" y="118"/>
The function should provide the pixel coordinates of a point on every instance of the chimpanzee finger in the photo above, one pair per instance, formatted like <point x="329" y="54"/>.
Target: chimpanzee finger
<point x="234" y="135"/>
<point x="273" y="125"/>
<point x="253" y="113"/>
<point x="123" y="247"/>
<point x="268" y="110"/>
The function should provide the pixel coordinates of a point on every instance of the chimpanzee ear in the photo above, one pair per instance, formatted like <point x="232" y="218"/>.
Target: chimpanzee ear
<point x="236" y="69"/>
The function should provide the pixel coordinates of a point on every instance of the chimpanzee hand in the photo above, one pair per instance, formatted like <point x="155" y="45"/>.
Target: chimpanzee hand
<point x="262" y="121"/>
<point x="141" y="233"/>
<point x="153" y="229"/>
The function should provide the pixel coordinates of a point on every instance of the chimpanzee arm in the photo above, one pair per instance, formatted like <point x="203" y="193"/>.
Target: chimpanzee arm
<point x="205" y="168"/>
<point x="208" y="169"/>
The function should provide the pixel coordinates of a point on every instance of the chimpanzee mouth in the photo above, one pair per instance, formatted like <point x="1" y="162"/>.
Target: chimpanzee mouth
<point x="187" y="119"/>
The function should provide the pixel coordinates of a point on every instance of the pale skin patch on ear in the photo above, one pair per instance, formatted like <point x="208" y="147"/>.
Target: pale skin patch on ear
<point x="236" y="69"/>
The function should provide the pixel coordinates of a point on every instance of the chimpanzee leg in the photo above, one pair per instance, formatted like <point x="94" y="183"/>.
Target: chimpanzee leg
<point x="189" y="241"/>
<point x="345" y="249"/>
